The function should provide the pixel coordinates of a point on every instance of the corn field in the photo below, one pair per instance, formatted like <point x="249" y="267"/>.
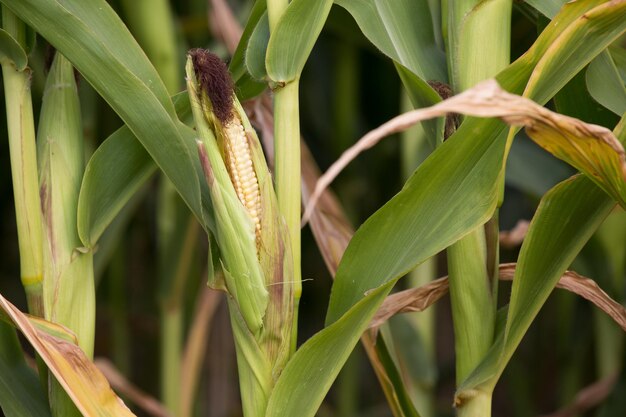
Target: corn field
<point x="268" y="208"/>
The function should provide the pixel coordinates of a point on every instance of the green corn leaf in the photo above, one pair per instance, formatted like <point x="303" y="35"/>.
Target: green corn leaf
<point x="566" y="218"/>
<point x="97" y="43"/>
<point x="293" y="38"/>
<point x="246" y="86"/>
<point x="405" y="222"/>
<point x="257" y="46"/>
<point x="619" y="58"/>
<point x="549" y="8"/>
<point x="421" y="94"/>
<point x="403" y="31"/>
<point x="605" y="84"/>
<point x="20" y="391"/>
<point x="115" y="172"/>
<point x="12" y="51"/>
<point x="590" y="31"/>
<point x="237" y="65"/>
<point x="313" y="368"/>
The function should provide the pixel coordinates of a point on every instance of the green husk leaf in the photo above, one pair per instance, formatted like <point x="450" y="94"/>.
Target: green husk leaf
<point x="69" y="283"/>
<point x="234" y="229"/>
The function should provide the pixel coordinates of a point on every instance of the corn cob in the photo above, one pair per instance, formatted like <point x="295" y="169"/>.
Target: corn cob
<point x="215" y="81"/>
<point x="241" y="170"/>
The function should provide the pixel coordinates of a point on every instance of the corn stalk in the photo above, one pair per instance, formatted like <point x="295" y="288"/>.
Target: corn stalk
<point x="287" y="161"/>
<point x="473" y="260"/>
<point x="21" y="127"/>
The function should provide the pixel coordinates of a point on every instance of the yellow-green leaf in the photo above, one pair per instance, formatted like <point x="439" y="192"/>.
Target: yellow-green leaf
<point x="80" y="378"/>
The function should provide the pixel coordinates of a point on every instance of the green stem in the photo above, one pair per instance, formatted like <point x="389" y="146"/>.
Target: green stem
<point x="287" y="171"/>
<point x="479" y="405"/>
<point x="472" y="261"/>
<point x="69" y="290"/>
<point x="21" y="129"/>
<point x="473" y="308"/>
<point x="287" y="164"/>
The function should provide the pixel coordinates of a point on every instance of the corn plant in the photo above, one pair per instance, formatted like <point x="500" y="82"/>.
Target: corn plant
<point x="233" y="163"/>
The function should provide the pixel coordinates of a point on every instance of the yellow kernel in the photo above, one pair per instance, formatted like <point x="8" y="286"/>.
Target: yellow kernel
<point x="240" y="168"/>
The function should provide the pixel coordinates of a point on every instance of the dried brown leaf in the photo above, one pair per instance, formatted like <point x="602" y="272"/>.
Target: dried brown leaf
<point x="592" y="149"/>
<point x="419" y="299"/>
<point x="512" y="238"/>
<point x="224" y="24"/>
<point x="411" y="300"/>
<point x="195" y="349"/>
<point x="584" y="287"/>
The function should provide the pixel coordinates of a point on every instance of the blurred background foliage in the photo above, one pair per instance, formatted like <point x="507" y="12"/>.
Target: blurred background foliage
<point x="347" y="88"/>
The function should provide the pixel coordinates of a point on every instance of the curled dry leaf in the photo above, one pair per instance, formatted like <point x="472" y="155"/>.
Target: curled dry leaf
<point x="411" y="300"/>
<point x="592" y="149"/>
<point x="514" y="237"/>
<point x="584" y="287"/>
<point x="78" y="376"/>
<point x="224" y="24"/>
<point x="419" y="299"/>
